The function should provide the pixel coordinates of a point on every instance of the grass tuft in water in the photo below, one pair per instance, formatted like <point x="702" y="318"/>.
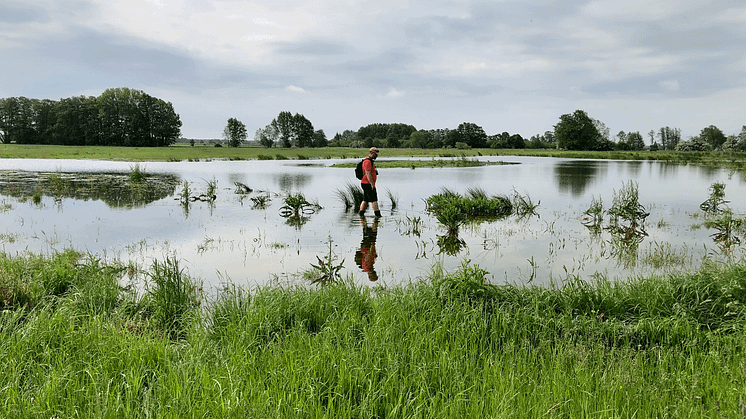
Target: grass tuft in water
<point x="137" y="174"/>
<point x="716" y="199"/>
<point x="351" y="195"/>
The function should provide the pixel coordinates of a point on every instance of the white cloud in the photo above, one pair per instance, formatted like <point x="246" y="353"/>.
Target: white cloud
<point x="261" y="21"/>
<point x="394" y="94"/>
<point x="295" y="89"/>
<point x="257" y="37"/>
<point x="671" y="85"/>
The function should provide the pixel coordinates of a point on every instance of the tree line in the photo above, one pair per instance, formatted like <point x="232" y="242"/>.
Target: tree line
<point x="575" y="131"/>
<point x="118" y="117"/>
<point x="129" y="117"/>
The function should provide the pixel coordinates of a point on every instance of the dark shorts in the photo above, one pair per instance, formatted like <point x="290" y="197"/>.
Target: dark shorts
<point x="369" y="194"/>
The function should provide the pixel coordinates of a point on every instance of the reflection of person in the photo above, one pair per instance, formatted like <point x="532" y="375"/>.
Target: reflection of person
<point x="365" y="257"/>
<point x="368" y="183"/>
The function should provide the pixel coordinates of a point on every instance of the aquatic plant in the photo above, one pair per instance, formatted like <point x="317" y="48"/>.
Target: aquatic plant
<point x="594" y="215"/>
<point x="211" y="189"/>
<point x="328" y="269"/>
<point x="453" y="210"/>
<point x="393" y="198"/>
<point x="523" y="205"/>
<point x="451" y="216"/>
<point x="728" y="227"/>
<point x="297" y="204"/>
<point x="712" y="205"/>
<point x="186" y="193"/>
<point x="351" y="195"/>
<point x="58" y="184"/>
<point x="137" y="175"/>
<point x="260" y="201"/>
<point x="626" y="208"/>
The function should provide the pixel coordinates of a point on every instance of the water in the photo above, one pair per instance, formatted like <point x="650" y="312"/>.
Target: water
<point x="229" y="240"/>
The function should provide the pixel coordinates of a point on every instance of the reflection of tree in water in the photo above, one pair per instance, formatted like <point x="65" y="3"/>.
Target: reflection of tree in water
<point x="668" y="170"/>
<point x="292" y="181"/>
<point x="634" y="167"/>
<point x="575" y="176"/>
<point x="114" y="189"/>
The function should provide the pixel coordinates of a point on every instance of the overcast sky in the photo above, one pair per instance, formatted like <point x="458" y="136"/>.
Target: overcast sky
<point x="514" y="66"/>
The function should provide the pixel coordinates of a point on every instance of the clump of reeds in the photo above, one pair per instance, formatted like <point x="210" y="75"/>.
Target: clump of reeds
<point x="137" y="175"/>
<point x="172" y="296"/>
<point x="261" y="201"/>
<point x="211" y="189"/>
<point x="523" y="205"/>
<point x="393" y="198"/>
<point x="453" y="210"/>
<point x="296" y="205"/>
<point x="713" y="204"/>
<point x="186" y="193"/>
<point x="351" y="195"/>
<point x="594" y="213"/>
<point x="627" y="209"/>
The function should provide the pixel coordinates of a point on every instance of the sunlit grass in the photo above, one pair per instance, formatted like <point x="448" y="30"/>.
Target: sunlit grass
<point x="76" y="344"/>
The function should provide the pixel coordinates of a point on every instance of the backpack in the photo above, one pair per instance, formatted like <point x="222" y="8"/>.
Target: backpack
<point x="359" y="169"/>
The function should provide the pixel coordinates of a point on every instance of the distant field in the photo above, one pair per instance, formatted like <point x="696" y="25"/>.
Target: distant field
<point x="207" y="152"/>
<point x="199" y="152"/>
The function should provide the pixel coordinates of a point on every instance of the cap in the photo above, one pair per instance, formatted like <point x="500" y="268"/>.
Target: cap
<point x="372" y="149"/>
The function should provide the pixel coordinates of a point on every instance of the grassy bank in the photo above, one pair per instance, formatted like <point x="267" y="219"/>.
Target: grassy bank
<point x="202" y="152"/>
<point x="74" y="343"/>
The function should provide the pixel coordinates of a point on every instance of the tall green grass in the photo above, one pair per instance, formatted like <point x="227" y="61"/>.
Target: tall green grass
<point x="449" y="345"/>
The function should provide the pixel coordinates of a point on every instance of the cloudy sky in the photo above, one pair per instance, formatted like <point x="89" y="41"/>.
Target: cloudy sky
<point x="514" y="66"/>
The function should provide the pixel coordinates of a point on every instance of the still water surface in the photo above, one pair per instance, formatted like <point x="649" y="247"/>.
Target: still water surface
<point x="230" y="240"/>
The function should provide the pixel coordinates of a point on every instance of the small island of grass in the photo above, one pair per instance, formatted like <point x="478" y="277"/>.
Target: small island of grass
<point x="440" y="162"/>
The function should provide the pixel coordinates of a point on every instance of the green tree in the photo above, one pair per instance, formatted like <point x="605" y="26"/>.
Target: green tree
<point x="268" y="136"/>
<point x="420" y="139"/>
<point x="283" y="125"/>
<point x="399" y="134"/>
<point x="319" y="139"/>
<point x="374" y="131"/>
<point x="577" y="131"/>
<point x="694" y="144"/>
<point x="635" y="141"/>
<point x="438" y="137"/>
<point x="736" y="142"/>
<point x="302" y="130"/>
<point x="713" y="136"/>
<point x="621" y="137"/>
<point x="234" y="132"/>
<point x="516" y="141"/>
<point x="669" y="137"/>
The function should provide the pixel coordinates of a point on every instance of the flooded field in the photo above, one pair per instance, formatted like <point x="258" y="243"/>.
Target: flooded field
<point x="225" y="220"/>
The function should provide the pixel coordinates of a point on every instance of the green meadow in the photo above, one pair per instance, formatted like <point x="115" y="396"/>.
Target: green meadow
<point x="730" y="160"/>
<point x="81" y="337"/>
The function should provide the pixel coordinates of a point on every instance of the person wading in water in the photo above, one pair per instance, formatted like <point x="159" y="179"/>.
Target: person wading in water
<point x="368" y="183"/>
